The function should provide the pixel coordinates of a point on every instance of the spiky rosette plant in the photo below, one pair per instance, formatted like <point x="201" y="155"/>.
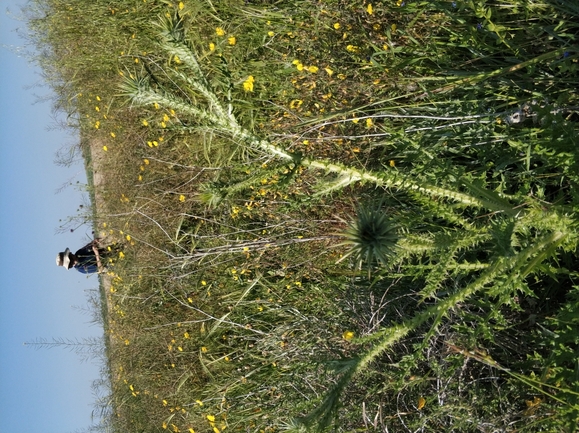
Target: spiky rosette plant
<point x="371" y="237"/>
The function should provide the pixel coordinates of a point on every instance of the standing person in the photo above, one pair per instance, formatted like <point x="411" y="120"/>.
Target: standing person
<point x="86" y="260"/>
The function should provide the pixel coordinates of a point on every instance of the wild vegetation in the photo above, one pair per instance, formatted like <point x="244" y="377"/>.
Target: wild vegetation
<point x="338" y="215"/>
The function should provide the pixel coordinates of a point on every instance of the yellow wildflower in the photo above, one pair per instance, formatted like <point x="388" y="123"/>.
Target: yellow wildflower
<point x="392" y="163"/>
<point x="211" y="46"/>
<point x="113" y="134"/>
<point x="181" y="198"/>
<point x="105" y="148"/>
<point x="348" y="335"/>
<point x="313" y="69"/>
<point x="231" y="40"/>
<point x="352" y="48"/>
<point x="181" y="6"/>
<point x="97" y="109"/>
<point x="270" y="34"/>
<point x="299" y="65"/>
<point x="421" y="403"/>
<point x="248" y="84"/>
<point x="210" y="418"/>
<point x="220" y="31"/>
<point x="337" y="26"/>
<point x="369" y="123"/>
<point x="369" y="9"/>
<point x="145" y="123"/>
<point x="329" y="71"/>
<point x="296" y="103"/>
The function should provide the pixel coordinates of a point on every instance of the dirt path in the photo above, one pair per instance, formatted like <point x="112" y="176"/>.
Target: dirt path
<point x="96" y="156"/>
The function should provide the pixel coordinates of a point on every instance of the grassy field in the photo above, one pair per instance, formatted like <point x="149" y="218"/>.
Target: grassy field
<point x="337" y="215"/>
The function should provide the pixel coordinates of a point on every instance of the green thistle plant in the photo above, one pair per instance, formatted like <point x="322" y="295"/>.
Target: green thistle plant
<point x="211" y="195"/>
<point x="372" y="237"/>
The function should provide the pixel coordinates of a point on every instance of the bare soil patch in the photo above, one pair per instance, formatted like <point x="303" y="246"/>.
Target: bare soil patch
<point x="96" y="158"/>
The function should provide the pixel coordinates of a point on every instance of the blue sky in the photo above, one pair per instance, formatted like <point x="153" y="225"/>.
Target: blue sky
<point x="46" y="390"/>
